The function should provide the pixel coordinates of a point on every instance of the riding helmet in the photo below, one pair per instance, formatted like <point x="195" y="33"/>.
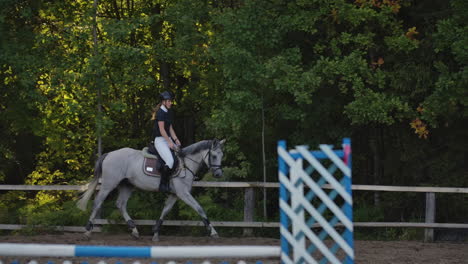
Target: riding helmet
<point x="166" y="95"/>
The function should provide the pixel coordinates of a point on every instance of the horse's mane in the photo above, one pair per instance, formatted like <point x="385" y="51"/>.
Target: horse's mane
<point x="195" y="148"/>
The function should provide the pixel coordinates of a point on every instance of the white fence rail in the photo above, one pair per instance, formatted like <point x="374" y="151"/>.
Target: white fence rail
<point x="208" y="184"/>
<point x="248" y="224"/>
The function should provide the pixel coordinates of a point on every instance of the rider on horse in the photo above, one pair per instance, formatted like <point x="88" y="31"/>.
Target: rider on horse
<point x="164" y="136"/>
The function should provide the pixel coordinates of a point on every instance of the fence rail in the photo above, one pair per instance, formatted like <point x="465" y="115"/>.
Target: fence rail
<point x="248" y="224"/>
<point x="356" y="187"/>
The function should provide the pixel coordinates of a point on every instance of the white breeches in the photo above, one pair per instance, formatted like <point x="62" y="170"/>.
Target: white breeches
<point x="162" y="147"/>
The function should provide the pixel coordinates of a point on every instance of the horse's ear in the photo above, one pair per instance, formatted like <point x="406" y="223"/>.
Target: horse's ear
<point x="214" y="143"/>
<point x="222" y="142"/>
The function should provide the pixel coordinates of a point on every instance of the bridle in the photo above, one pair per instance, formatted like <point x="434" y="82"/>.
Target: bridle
<point x="211" y="166"/>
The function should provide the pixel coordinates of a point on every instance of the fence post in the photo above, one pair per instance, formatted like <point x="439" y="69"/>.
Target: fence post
<point x="249" y="206"/>
<point x="430" y="216"/>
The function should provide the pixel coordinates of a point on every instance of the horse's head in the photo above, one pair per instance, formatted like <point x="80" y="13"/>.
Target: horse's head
<point x="215" y="156"/>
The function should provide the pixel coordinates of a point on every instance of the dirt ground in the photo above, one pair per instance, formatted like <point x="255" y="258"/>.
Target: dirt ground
<point x="366" y="251"/>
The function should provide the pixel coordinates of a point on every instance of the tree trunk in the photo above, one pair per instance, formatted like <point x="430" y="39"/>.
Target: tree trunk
<point x="376" y="146"/>
<point x="156" y="29"/>
<point x="97" y="83"/>
<point x="264" y="159"/>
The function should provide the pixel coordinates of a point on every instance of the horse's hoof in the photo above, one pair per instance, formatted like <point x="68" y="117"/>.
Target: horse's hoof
<point x="155" y="238"/>
<point x="214" y="236"/>
<point x="87" y="235"/>
<point x="135" y="235"/>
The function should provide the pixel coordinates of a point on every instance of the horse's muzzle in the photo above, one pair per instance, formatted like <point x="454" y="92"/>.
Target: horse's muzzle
<point x="217" y="172"/>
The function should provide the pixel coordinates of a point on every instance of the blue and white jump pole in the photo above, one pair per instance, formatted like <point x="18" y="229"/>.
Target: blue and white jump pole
<point x="160" y="252"/>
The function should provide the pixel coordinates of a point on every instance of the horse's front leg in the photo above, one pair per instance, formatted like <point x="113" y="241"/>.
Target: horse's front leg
<point x="188" y="199"/>
<point x="170" y="201"/>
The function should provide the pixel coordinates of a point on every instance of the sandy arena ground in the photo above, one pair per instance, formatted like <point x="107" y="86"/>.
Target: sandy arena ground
<point x="378" y="252"/>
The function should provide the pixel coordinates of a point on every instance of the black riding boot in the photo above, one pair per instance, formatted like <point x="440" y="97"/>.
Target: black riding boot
<point x="164" y="185"/>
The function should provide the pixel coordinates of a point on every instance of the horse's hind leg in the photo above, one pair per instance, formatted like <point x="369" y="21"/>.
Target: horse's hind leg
<point x="188" y="199"/>
<point x="100" y="197"/>
<point x="125" y="191"/>
<point x="170" y="201"/>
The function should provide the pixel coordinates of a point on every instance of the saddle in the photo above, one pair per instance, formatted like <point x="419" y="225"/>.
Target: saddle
<point x="153" y="163"/>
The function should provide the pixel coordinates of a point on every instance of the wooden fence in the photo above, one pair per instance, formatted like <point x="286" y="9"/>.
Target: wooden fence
<point x="249" y="205"/>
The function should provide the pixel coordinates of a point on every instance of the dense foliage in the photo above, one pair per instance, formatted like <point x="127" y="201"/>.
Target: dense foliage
<point x="390" y="74"/>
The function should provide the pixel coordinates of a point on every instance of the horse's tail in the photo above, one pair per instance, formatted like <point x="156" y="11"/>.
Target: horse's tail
<point x="84" y="198"/>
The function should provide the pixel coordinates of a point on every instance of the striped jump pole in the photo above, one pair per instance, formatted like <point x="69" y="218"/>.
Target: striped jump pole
<point x="162" y="252"/>
<point x="303" y="203"/>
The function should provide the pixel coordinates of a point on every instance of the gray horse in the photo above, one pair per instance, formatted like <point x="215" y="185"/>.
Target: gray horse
<point x="123" y="168"/>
